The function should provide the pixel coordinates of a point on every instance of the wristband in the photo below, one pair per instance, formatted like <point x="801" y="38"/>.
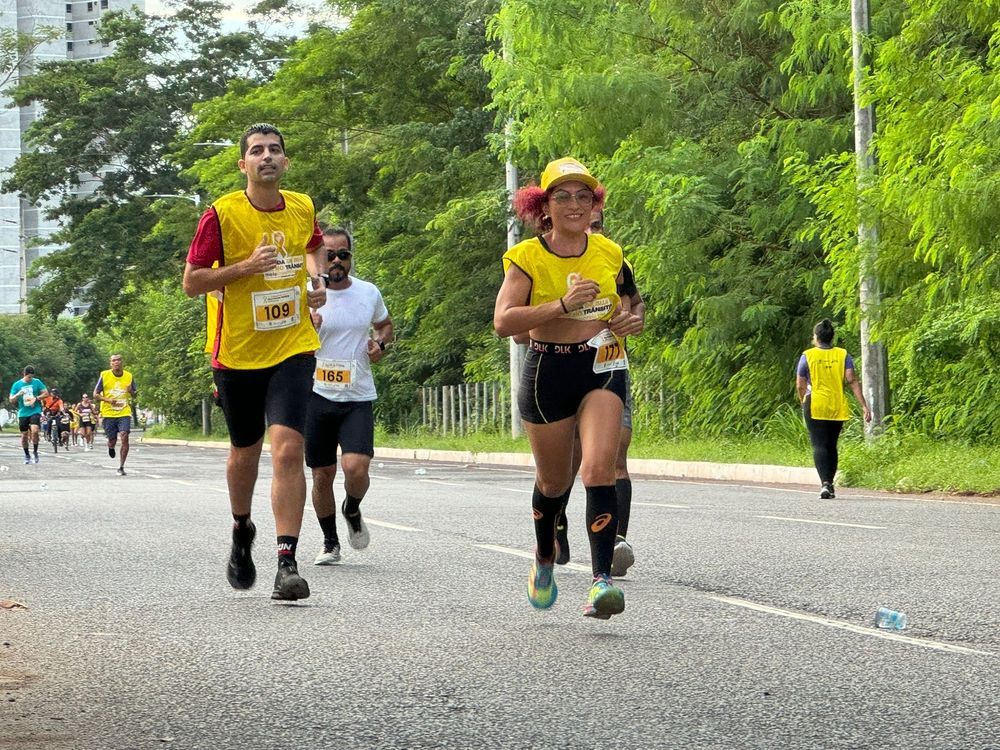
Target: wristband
<point x="565" y="309"/>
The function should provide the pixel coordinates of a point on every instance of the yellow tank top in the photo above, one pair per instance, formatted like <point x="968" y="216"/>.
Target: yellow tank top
<point x="265" y="318"/>
<point x="551" y="275"/>
<point x="118" y="387"/>
<point x="826" y="379"/>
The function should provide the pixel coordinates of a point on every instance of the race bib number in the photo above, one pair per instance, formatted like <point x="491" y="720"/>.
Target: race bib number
<point x="276" y="309"/>
<point x="334" y="374"/>
<point x="610" y="354"/>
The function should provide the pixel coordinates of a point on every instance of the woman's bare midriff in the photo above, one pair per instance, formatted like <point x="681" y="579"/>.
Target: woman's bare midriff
<point x="567" y="330"/>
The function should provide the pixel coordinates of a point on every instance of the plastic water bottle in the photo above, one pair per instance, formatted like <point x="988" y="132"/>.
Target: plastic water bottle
<point x="420" y="472"/>
<point x="890" y="619"/>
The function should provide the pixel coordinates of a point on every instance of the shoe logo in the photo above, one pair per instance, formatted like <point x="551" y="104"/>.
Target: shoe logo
<point x="536" y="514"/>
<point x="600" y="522"/>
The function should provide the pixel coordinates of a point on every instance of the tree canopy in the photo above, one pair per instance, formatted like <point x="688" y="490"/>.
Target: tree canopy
<point x="723" y="132"/>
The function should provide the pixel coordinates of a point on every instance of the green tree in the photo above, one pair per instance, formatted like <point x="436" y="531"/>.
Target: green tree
<point x="418" y="182"/>
<point x="112" y="124"/>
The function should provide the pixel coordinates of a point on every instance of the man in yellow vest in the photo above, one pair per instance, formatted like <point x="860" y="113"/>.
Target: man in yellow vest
<point x="258" y="248"/>
<point x="115" y="391"/>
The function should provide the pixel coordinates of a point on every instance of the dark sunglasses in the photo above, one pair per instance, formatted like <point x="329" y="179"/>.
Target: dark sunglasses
<point x="339" y="255"/>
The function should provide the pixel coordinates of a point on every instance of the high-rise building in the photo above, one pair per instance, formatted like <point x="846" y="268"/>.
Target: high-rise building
<point x="23" y="227"/>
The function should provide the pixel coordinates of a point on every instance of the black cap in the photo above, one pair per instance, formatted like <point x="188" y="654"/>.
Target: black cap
<point x="29" y="370"/>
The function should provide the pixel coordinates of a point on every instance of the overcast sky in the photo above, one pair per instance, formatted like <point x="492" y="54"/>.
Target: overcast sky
<point x="235" y="16"/>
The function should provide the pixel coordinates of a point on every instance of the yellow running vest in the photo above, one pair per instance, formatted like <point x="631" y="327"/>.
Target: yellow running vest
<point x="118" y="387"/>
<point x="551" y="275"/>
<point x="826" y="378"/>
<point x="265" y="317"/>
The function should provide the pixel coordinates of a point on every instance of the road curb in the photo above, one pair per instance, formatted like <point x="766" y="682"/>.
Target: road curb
<point x="645" y="467"/>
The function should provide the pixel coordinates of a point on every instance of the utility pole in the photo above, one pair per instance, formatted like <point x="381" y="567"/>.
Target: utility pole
<point x="517" y="351"/>
<point x="875" y="366"/>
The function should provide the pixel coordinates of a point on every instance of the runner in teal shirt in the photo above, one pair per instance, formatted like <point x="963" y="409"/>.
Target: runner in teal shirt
<point x="27" y="395"/>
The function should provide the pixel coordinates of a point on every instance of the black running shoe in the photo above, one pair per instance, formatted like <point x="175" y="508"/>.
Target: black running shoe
<point x="288" y="584"/>
<point x="827" y="492"/>
<point x="111" y="452"/>
<point x="562" y="545"/>
<point x="241" y="571"/>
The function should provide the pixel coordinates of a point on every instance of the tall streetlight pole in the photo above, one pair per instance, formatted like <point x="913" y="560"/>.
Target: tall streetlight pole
<point x="875" y="369"/>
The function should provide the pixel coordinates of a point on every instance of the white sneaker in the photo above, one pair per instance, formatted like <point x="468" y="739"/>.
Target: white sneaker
<point x="357" y="530"/>
<point x="624" y="557"/>
<point x="328" y="558"/>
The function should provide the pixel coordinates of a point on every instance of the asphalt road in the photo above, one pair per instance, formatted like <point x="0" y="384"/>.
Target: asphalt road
<point x="748" y="622"/>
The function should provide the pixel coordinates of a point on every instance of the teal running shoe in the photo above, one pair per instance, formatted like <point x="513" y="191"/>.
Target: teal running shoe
<point x="605" y="599"/>
<point x="542" y="588"/>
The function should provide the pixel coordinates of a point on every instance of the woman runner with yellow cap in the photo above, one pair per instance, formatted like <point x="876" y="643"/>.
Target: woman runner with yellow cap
<point x="560" y="288"/>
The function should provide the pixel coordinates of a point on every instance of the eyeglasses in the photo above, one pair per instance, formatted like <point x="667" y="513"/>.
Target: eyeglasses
<point x="584" y="197"/>
<point x="339" y="255"/>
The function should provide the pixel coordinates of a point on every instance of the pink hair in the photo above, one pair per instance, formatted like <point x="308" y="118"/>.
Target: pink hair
<point x="530" y="201"/>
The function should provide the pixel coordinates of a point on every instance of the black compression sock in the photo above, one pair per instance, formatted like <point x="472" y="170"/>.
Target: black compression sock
<point x="286" y="549"/>
<point x="545" y="511"/>
<point x="352" y="505"/>
<point x="241" y="521"/>
<point x="329" y="526"/>
<point x="623" y="488"/>
<point x="601" y="527"/>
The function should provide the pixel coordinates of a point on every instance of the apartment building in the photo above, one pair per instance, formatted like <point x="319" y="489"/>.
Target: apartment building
<point x="23" y="227"/>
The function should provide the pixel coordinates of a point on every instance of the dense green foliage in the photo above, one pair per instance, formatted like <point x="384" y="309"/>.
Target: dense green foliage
<point x="723" y="131"/>
<point x="63" y="354"/>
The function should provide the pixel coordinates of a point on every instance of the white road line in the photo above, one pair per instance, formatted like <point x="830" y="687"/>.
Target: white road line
<point x="663" y="505"/>
<point x="926" y="643"/>
<point x="398" y="527"/>
<point x="199" y="486"/>
<point x="511" y="489"/>
<point x="448" y="484"/>
<point x="823" y="523"/>
<point x="528" y="555"/>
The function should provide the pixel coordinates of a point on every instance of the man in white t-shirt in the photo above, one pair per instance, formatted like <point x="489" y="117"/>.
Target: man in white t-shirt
<point x="354" y="330"/>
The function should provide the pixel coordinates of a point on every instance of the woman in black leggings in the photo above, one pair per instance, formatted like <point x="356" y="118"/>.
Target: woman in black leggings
<point x="822" y="372"/>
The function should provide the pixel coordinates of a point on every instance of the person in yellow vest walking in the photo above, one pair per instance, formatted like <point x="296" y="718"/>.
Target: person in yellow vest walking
<point x="258" y="248"/>
<point x="822" y="372"/>
<point x="115" y="392"/>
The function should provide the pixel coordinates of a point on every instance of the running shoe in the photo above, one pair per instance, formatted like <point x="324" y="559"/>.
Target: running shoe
<point x="357" y="530"/>
<point x="27" y="460"/>
<point x="827" y="492"/>
<point x="562" y="544"/>
<point x="121" y="471"/>
<point x="35" y="459"/>
<point x="288" y="584"/>
<point x="605" y="599"/>
<point x="242" y="573"/>
<point x="329" y="556"/>
<point x="542" y="589"/>
<point x="624" y="557"/>
<point x="111" y="452"/>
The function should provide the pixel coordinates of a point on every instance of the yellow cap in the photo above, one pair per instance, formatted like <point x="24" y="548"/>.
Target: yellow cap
<point x="564" y="170"/>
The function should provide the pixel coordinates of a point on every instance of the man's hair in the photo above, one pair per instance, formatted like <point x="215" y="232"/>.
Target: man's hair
<point x="824" y="331"/>
<point x="263" y="128"/>
<point x="340" y="232"/>
<point x="29" y="370"/>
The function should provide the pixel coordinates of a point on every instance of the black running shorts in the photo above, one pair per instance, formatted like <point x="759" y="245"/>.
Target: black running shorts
<point x="556" y="377"/>
<point x="349" y="424"/>
<point x="276" y="394"/>
<point x="24" y="423"/>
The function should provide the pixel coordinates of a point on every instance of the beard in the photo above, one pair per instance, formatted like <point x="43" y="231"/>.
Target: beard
<point x="337" y="273"/>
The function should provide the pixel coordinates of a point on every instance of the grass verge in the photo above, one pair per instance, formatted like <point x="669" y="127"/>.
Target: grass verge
<point x="901" y="463"/>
